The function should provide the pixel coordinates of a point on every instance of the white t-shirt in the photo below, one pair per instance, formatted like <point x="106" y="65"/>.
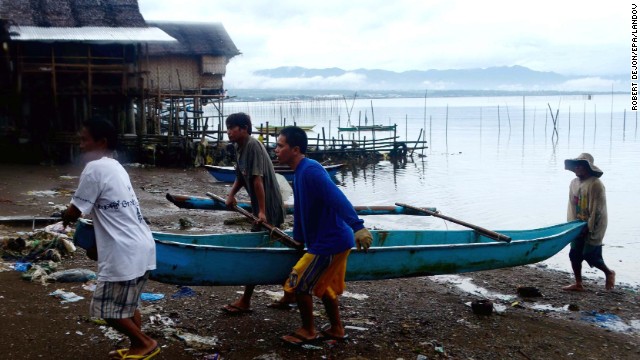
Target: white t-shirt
<point x="126" y="249"/>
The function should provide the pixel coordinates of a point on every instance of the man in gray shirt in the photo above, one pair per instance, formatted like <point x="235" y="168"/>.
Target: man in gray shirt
<point x="254" y="172"/>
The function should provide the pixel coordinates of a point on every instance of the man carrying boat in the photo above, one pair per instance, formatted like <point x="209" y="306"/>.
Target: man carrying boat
<point x="126" y="252"/>
<point x="325" y="221"/>
<point x="587" y="202"/>
<point x="254" y="172"/>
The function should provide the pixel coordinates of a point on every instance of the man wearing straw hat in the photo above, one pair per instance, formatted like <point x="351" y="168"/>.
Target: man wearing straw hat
<point x="587" y="202"/>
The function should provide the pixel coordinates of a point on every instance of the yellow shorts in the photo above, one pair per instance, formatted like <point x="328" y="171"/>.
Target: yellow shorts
<point x="319" y="275"/>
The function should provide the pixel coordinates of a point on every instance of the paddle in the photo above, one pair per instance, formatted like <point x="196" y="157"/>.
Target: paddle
<point x="492" y="234"/>
<point x="281" y="235"/>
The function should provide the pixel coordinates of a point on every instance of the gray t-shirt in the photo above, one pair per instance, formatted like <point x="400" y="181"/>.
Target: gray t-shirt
<point x="253" y="160"/>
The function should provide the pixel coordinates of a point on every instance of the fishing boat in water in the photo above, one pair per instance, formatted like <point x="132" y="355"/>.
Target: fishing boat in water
<point x="274" y="130"/>
<point x="254" y="258"/>
<point x="368" y="128"/>
<point x="228" y="173"/>
<point x="206" y="203"/>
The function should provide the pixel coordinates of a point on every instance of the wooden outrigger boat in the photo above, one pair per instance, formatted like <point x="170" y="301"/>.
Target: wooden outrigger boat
<point x="253" y="258"/>
<point x="205" y="203"/>
<point x="228" y="173"/>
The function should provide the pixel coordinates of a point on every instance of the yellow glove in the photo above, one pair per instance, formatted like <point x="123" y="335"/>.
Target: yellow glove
<point x="363" y="239"/>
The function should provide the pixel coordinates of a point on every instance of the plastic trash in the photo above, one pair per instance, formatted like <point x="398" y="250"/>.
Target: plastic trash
<point x="66" y="296"/>
<point x="184" y="291"/>
<point x="22" y="266"/>
<point x="72" y="275"/>
<point x="151" y="297"/>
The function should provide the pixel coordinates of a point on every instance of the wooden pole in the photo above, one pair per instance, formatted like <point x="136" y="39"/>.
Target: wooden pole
<point x="488" y="233"/>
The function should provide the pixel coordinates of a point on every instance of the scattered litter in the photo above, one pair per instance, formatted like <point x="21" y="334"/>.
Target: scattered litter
<point x="184" y="291"/>
<point x="66" y="297"/>
<point x="573" y="307"/>
<point x="72" y="275"/>
<point x="111" y="333"/>
<point x="42" y="193"/>
<point x="482" y="307"/>
<point x="199" y="342"/>
<point x="89" y="286"/>
<point x="351" y="327"/>
<point x="354" y="296"/>
<point x="545" y="308"/>
<point x="529" y="291"/>
<point x="21" y="266"/>
<point x="215" y="356"/>
<point x="159" y="319"/>
<point x="67" y="177"/>
<point x="608" y="321"/>
<point x="466" y="284"/>
<point x="151" y="297"/>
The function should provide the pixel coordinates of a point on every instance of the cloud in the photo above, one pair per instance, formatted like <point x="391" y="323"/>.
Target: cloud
<point x="347" y="81"/>
<point x="570" y="37"/>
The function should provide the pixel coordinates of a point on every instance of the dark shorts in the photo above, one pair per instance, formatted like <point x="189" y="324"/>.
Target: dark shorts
<point x="581" y="251"/>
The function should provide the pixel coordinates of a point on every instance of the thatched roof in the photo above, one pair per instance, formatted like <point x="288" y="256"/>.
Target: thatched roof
<point x="194" y="39"/>
<point x="72" y="13"/>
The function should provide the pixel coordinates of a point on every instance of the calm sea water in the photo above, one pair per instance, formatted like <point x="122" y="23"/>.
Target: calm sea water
<point x="490" y="163"/>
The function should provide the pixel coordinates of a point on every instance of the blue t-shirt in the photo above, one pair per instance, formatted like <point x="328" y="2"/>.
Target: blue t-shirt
<point x="323" y="216"/>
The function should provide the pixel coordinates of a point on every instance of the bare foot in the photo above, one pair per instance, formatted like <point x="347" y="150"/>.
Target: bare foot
<point x="573" y="287"/>
<point x="610" y="280"/>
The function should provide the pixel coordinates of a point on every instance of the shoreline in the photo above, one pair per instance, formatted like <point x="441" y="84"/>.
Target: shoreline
<point x="399" y="318"/>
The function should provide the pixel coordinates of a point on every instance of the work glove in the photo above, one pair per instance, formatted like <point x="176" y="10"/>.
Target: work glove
<point x="363" y="239"/>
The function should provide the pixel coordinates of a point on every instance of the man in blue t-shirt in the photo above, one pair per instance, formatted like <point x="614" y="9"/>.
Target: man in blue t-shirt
<point x="325" y="221"/>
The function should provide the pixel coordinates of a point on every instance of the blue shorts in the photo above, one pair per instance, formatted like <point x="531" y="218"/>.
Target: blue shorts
<point x="581" y="251"/>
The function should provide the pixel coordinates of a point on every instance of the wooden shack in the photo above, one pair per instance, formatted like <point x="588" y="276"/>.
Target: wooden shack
<point x="65" y="61"/>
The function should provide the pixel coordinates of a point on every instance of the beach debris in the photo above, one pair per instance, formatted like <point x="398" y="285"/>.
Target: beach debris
<point x="66" y="296"/>
<point x="482" y="307"/>
<point x="22" y="266"/>
<point x="72" y="275"/>
<point x="42" y="193"/>
<point x="89" y="286"/>
<point x="347" y="294"/>
<point x="269" y="356"/>
<point x="185" y="223"/>
<point x="607" y="321"/>
<point x="162" y="320"/>
<point x="199" y="342"/>
<point x="528" y="291"/>
<point x="573" y="307"/>
<point x="49" y="243"/>
<point x="358" y="328"/>
<point x="151" y="296"/>
<point x="183" y="291"/>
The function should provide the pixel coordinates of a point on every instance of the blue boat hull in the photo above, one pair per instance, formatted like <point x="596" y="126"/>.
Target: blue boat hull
<point x="251" y="258"/>
<point x="228" y="174"/>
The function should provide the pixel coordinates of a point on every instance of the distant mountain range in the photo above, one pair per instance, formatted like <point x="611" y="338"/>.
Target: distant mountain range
<point x="503" y="78"/>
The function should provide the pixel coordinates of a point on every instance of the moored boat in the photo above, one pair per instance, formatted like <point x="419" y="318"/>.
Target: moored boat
<point x="253" y="258"/>
<point x="368" y="128"/>
<point x="228" y="173"/>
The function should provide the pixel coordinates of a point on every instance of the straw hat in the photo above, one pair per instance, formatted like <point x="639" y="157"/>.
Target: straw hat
<point x="586" y="159"/>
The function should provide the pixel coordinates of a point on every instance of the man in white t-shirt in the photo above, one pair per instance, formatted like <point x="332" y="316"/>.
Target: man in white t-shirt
<point x="126" y="251"/>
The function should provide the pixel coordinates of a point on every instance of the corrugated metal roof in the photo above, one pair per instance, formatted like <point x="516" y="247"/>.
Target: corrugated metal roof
<point x="89" y="34"/>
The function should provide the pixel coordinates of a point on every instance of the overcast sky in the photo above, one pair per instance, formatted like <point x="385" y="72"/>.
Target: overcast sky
<point x="565" y="36"/>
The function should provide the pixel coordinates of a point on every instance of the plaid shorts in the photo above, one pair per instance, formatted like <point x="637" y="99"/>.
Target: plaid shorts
<point x="117" y="300"/>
